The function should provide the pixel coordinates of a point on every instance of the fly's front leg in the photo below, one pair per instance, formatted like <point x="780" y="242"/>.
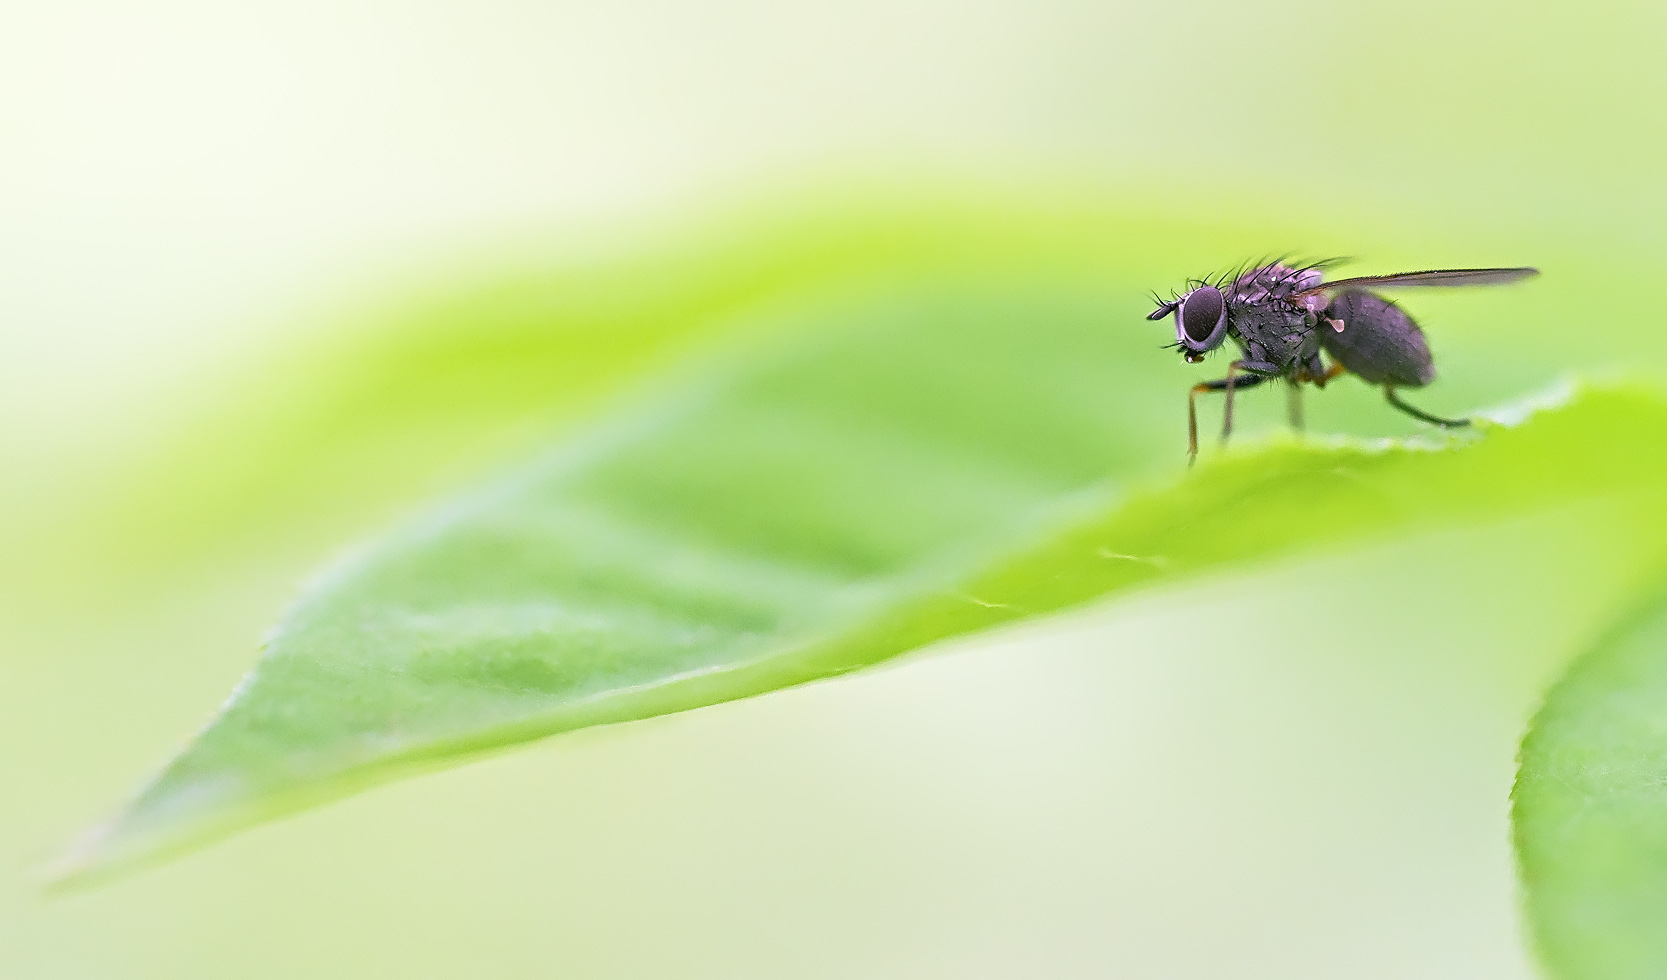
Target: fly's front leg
<point x="1227" y="384"/>
<point x="1293" y="405"/>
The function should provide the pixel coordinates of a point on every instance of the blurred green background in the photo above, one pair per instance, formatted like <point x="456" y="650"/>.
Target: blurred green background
<point x="271" y="276"/>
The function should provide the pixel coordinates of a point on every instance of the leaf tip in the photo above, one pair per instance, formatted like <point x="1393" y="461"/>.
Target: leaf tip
<point x="90" y="860"/>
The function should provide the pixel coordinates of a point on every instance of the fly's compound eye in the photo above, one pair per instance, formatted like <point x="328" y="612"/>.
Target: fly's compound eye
<point x="1201" y="319"/>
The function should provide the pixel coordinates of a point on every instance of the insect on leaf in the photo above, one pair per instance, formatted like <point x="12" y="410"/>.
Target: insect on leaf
<point x="862" y="490"/>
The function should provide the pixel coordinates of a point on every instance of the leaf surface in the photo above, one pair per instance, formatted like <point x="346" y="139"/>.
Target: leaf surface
<point x="885" y="469"/>
<point x="1591" y="808"/>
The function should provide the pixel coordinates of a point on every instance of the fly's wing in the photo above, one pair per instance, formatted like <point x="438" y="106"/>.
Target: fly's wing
<point x="1431" y="277"/>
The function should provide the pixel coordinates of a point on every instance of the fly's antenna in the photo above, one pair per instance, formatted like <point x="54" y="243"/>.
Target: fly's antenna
<point x="1165" y="306"/>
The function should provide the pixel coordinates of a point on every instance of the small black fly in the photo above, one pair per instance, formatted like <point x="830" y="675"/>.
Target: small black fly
<point x="1284" y="316"/>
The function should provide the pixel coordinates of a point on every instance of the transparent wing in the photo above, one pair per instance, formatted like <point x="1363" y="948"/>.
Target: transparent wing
<point x="1431" y="277"/>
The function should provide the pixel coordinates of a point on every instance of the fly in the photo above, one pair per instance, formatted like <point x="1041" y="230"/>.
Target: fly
<point x="1287" y="321"/>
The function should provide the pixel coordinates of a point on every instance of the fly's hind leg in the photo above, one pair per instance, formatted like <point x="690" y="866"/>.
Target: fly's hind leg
<point x="1228" y="385"/>
<point x="1293" y="405"/>
<point x="1389" y="393"/>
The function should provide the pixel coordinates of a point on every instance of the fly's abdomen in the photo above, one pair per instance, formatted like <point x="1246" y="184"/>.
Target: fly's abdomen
<point x="1378" y="341"/>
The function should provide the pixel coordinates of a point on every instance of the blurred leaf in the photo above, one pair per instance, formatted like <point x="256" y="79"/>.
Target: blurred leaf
<point x="921" y="464"/>
<point x="1591" y="808"/>
<point x="391" y="401"/>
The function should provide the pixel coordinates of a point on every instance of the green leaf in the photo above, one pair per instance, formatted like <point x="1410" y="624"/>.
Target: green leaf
<point x="953" y="461"/>
<point x="395" y="399"/>
<point x="911" y="436"/>
<point x="1591" y="807"/>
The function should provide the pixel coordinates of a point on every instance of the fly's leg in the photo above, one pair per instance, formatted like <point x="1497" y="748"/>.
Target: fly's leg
<point x="1227" y="404"/>
<point x="1230" y="384"/>
<point x="1389" y="393"/>
<point x="1192" y="422"/>
<point x="1233" y="383"/>
<point x="1227" y="384"/>
<point x="1316" y="373"/>
<point x="1314" y="370"/>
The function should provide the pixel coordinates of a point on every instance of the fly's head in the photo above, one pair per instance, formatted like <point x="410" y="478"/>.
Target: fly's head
<point x="1200" y="320"/>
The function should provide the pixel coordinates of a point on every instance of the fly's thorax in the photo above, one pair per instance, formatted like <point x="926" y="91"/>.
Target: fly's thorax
<point x="1275" y="332"/>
